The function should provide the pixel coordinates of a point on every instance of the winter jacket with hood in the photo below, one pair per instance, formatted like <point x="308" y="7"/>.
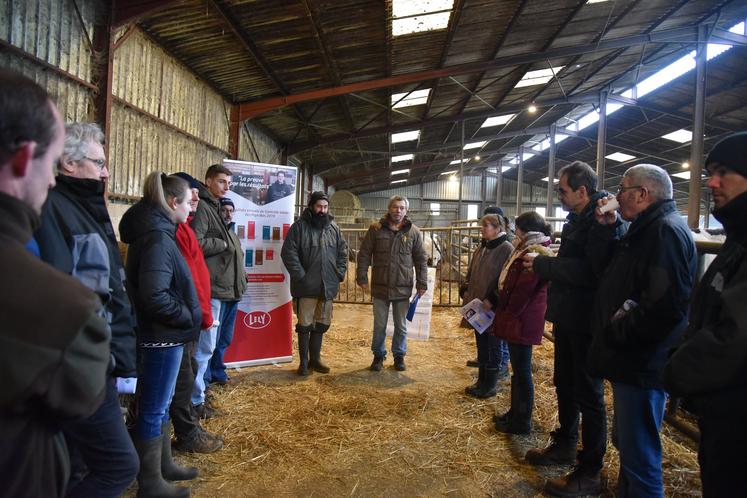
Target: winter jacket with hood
<point x="223" y="256"/>
<point x="54" y="355"/>
<point x="77" y="238"/>
<point x="521" y="298"/>
<point x="392" y="255"/>
<point x="585" y="249"/>
<point x="485" y="268"/>
<point x="316" y="257"/>
<point x="710" y="366"/>
<point x="158" y="279"/>
<point x="653" y="265"/>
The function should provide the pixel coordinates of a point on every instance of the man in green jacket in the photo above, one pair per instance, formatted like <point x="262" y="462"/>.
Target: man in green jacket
<point x="224" y="259"/>
<point x="392" y="247"/>
<point x="316" y="257"/>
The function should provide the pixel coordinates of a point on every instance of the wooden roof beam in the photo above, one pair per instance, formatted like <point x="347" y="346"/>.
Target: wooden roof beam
<point x="131" y="11"/>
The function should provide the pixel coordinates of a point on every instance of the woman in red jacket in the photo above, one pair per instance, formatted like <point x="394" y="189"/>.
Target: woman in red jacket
<point x="521" y="301"/>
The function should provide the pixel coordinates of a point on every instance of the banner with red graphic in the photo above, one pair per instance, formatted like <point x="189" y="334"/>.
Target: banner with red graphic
<point x="264" y="199"/>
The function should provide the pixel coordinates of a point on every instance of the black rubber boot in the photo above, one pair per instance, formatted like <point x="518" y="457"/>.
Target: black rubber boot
<point x="315" y="349"/>
<point x="474" y="388"/>
<point x="304" y="336"/>
<point x="489" y="387"/>
<point x="169" y="468"/>
<point x="519" y="417"/>
<point x="151" y="483"/>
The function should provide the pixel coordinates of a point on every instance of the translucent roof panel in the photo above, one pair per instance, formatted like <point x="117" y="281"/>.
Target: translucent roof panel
<point x="619" y="157"/>
<point x="403" y="157"/>
<point x="407" y="99"/>
<point x="405" y="136"/>
<point x="526" y="156"/>
<point x="538" y="77"/>
<point x="679" y="136"/>
<point x="451" y="172"/>
<point x="406" y="8"/>
<point x="417" y="16"/>
<point x="457" y="161"/>
<point x="497" y="120"/>
<point x="400" y="172"/>
<point x="398" y="181"/>
<point x="475" y="145"/>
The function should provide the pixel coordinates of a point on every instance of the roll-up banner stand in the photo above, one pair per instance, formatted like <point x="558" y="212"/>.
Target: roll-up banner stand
<point x="264" y="200"/>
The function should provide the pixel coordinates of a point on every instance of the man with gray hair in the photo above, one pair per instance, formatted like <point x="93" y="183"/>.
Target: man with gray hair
<point x="77" y="238"/>
<point x="639" y="315"/>
<point x="392" y="247"/>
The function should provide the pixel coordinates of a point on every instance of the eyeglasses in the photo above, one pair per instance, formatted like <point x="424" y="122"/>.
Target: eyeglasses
<point x="100" y="163"/>
<point x="621" y="189"/>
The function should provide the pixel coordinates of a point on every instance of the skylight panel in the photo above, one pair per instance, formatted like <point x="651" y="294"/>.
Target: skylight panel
<point x="526" y="156"/>
<point x="407" y="99"/>
<point x="457" y="161"/>
<point x="417" y="16"/>
<point x="679" y="136"/>
<point x="554" y="180"/>
<point x="596" y="1"/>
<point x="545" y="144"/>
<point x="403" y="157"/>
<point x="475" y="145"/>
<point x="538" y="77"/>
<point x="448" y="172"/>
<point x="398" y="181"/>
<point x="619" y="157"/>
<point x="497" y="120"/>
<point x="685" y="175"/>
<point x="400" y="172"/>
<point x="405" y="136"/>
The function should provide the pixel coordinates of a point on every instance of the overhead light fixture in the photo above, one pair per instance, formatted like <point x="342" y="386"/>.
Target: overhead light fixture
<point x="400" y="172"/>
<point x="403" y="157"/>
<point x="679" y="136"/>
<point x="453" y="179"/>
<point x="475" y="145"/>
<point x="685" y="165"/>
<point x="619" y="157"/>
<point x="406" y="136"/>
<point x="539" y="77"/>
<point x="448" y="172"/>
<point x="532" y="109"/>
<point x="408" y="99"/>
<point x="497" y="120"/>
<point x="398" y="181"/>
<point x="477" y="157"/>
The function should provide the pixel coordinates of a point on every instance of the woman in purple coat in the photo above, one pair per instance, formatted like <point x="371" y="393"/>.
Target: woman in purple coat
<point x="520" y="303"/>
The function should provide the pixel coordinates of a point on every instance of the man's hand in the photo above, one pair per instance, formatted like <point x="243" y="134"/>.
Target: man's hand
<point x="364" y="286"/>
<point x="608" y="218"/>
<point x="421" y="292"/>
<point x="528" y="261"/>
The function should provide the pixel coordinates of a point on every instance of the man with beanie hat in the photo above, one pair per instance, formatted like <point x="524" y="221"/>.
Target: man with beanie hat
<point x="316" y="257"/>
<point x="709" y="366"/>
<point x="190" y="435"/>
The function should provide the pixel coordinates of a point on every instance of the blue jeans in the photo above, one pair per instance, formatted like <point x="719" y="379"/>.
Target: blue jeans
<point x="491" y="351"/>
<point x="381" y="315"/>
<point x="522" y="385"/>
<point x="635" y="433"/>
<point x="203" y="354"/>
<point x="216" y="371"/>
<point x="101" y="451"/>
<point x="156" y="383"/>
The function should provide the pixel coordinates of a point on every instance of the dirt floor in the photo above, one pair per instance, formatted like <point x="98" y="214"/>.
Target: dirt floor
<point x="354" y="432"/>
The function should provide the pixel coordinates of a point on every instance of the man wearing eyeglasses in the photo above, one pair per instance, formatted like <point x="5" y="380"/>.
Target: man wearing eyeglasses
<point x="639" y="314"/>
<point x="709" y="366"/>
<point x="77" y="238"/>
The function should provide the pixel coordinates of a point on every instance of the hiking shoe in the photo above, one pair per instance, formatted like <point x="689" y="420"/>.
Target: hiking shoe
<point x="378" y="364"/>
<point x="201" y="442"/>
<point x="473" y="363"/>
<point x="205" y="411"/>
<point x="558" y="452"/>
<point x="399" y="363"/>
<point x="578" y="482"/>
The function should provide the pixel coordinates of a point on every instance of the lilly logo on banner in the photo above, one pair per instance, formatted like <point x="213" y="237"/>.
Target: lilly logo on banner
<point x="257" y="319"/>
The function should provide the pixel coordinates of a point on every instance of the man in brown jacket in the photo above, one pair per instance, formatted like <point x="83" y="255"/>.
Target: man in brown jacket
<point x="392" y="247"/>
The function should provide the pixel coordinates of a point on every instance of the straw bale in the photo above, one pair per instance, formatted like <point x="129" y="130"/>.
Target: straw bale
<point x="354" y="432"/>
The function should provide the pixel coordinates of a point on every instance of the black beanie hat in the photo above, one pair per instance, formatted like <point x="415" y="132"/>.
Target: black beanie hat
<point x="493" y="210"/>
<point x="225" y="201"/>
<point x="731" y="152"/>
<point x="190" y="179"/>
<point x="317" y="196"/>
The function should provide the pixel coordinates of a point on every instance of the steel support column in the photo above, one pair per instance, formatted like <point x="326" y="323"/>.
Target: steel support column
<point x="499" y="185"/>
<point x="696" y="146"/>
<point x="601" y="138"/>
<point x="520" y="181"/>
<point x="234" y="133"/>
<point x="461" y="175"/>
<point x="551" y="173"/>
<point x="103" y="63"/>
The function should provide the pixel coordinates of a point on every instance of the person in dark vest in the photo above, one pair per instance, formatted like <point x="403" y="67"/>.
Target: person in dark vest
<point x="316" y="257"/>
<point x="708" y="367"/>
<point x="278" y="189"/>
<point x="54" y="341"/>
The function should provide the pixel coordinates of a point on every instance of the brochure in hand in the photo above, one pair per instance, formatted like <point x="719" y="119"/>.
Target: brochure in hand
<point x="477" y="316"/>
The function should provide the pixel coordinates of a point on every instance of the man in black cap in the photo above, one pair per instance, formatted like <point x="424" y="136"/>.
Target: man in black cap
<point x="710" y="367"/>
<point x="316" y="257"/>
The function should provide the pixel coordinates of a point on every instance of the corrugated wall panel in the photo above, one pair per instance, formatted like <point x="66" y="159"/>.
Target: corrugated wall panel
<point x="256" y="146"/>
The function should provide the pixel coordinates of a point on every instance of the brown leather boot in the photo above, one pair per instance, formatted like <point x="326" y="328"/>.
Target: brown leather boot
<point x="578" y="482"/>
